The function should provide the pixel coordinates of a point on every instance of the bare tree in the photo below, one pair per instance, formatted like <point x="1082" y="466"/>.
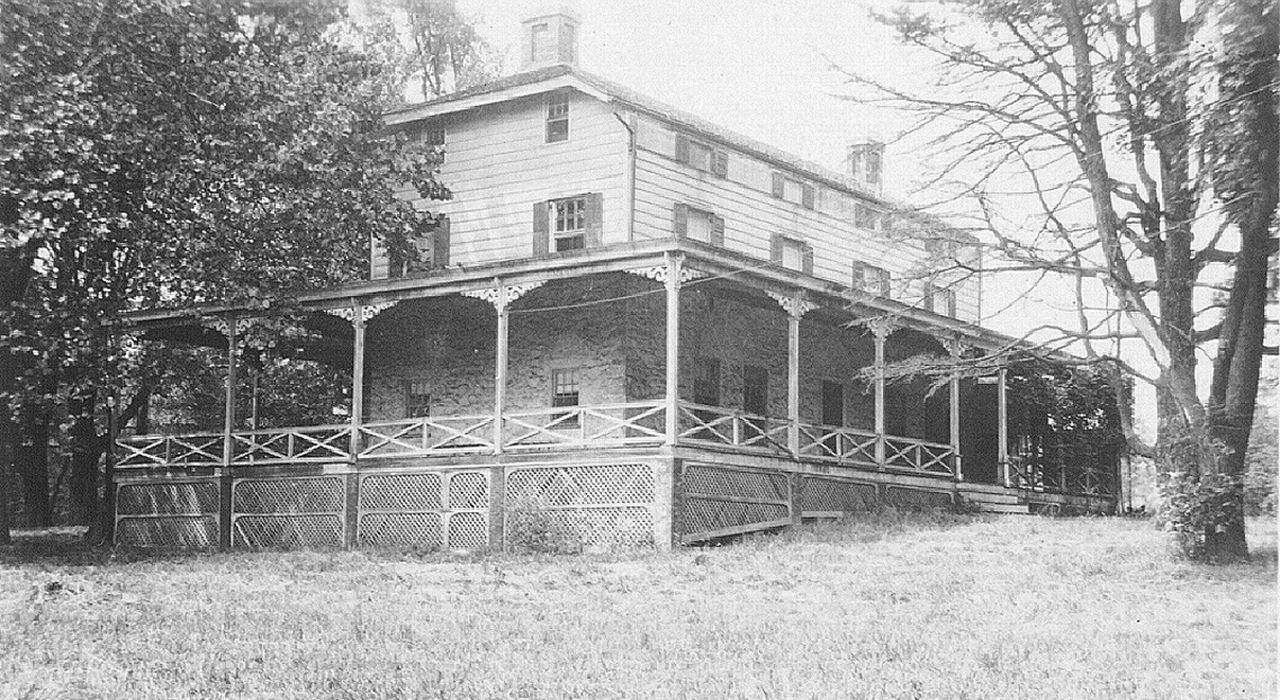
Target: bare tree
<point x="1147" y="141"/>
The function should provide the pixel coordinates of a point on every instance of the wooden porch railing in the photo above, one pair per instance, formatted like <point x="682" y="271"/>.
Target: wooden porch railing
<point x="837" y="444"/>
<point x="918" y="455"/>
<point x="321" y="443"/>
<point x="633" y="423"/>
<point x="424" y="436"/>
<point x="191" y="450"/>
<point x="718" y="425"/>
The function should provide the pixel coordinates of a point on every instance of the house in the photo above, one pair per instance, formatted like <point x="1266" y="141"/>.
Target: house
<point x="643" y="326"/>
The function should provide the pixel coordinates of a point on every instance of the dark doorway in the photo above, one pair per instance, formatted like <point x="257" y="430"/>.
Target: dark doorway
<point x="832" y="403"/>
<point x="979" y="430"/>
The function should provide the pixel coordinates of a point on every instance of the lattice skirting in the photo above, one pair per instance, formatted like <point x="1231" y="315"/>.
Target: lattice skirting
<point x="288" y="512"/>
<point x="608" y="505"/>
<point x="424" y="509"/>
<point x="167" y="514"/>
<point x="826" y="496"/>
<point x="719" y="500"/>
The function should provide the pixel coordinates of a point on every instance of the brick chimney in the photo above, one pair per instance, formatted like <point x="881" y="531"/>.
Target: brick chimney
<point x="866" y="165"/>
<point x="549" y="39"/>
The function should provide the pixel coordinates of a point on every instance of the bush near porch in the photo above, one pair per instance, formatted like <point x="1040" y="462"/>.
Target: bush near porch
<point x="891" y="605"/>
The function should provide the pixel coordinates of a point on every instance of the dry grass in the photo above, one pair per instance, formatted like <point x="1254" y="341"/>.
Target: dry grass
<point x="914" y="606"/>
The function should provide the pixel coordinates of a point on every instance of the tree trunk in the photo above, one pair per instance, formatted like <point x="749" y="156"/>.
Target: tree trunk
<point x="86" y="450"/>
<point x="31" y="460"/>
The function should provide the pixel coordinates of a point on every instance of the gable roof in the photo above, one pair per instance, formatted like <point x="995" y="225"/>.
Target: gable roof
<point x="564" y="75"/>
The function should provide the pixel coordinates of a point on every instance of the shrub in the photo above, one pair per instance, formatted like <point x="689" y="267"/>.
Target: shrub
<point x="533" y="527"/>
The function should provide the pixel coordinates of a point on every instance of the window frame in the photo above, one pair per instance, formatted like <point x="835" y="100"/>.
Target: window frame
<point x="556" y="112"/>
<point x="755" y="385"/>
<point x="556" y="218"/>
<point x="561" y="399"/>
<point x="420" y="408"/>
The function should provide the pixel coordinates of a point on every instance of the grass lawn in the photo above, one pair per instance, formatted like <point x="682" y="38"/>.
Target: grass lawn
<point x="911" y="606"/>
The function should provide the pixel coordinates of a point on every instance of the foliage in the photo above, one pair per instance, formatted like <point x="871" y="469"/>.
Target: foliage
<point x="447" y="54"/>
<point x="533" y="527"/>
<point x="158" y="153"/>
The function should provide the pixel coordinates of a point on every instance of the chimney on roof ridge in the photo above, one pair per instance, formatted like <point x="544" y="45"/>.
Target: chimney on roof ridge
<point x="866" y="164"/>
<point x="549" y="38"/>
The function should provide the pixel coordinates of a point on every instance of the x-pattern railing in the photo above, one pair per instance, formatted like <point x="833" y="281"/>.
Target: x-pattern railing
<point x="726" y="426"/>
<point x="829" y="442"/>
<point x="321" y="443"/>
<point x="420" y="436"/>
<point x="192" y="450"/>
<point x="918" y="455"/>
<point x="583" y="426"/>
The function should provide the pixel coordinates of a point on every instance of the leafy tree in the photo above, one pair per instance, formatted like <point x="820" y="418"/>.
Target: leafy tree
<point x="156" y="153"/>
<point x="443" y="51"/>
<point x="1133" y="128"/>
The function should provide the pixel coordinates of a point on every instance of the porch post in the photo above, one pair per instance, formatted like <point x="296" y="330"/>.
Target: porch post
<point x="672" y="398"/>
<point x="880" y="330"/>
<point x="793" y="375"/>
<point x="357" y="377"/>
<point x="500" y="365"/>
<point x="956" y="349"/>
<point x="1002" y="425"/>
<point x="228" y="450"/>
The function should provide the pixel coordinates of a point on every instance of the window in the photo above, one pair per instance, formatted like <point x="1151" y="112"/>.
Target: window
<point x="558" y="117"/>
<point x="942" y="249"/>
<point x="434" y="136"/>
<point x="939" y="301"/>
<point x="428" y="250"/>
<point x="792" y="253"/>
<point x="865" y="217"/>
<point x="796" y="191"/>
<point x="702" y="156"/>
<point x="564" y="392"/>
<point x="706" y="381"/>
<point x="755" y="390"/>
<point x="871" y="279"/>
<point x="698" y="225"/>
<point x="569" y="223"/>
<point x="417" y="399"/>
<point x="832" y="403"/>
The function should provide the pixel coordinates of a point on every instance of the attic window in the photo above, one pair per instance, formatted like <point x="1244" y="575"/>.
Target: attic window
<point x="796" y="191"/>
<point x="557" y="117"/>
<point x="702" y="156"/>
<point x="541" y="47"/>
<point x="434" y="136"/>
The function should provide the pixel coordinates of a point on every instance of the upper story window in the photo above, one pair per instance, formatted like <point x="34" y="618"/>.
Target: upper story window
<point x="429" y="250"/>
<point x="434" y="136"/>
<point x="557" y="117"/>
<point x="792" y="253"/>
<point x="871" y="279"/>
<point x="942" y="249"/>
<point x="706" y="381"/>
<point x="697" y="225"/>
<point x="939" y="300"/>
<point x="869" y="218"/>
<point x="569" y="223"/>
<point x="755" y="390"/>
<point x="702" y="156"/>
<point x="796" y="191"/>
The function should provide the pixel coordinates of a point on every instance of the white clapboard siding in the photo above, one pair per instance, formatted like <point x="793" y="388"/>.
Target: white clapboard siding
<point x="752" y="216"/>
<point x="498" y="165"/>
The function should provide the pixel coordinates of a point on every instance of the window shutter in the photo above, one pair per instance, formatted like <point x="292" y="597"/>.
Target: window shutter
<point x="858" y="277"/>
<point x="594" y="232"/>
<point x="440" y="246"/>
<point x="717" y="230"/>
<point x="720" y="163"/>
<point x="886" y="283"/>
<point x="680" y="220"/>
<point x="806" y="259"/>
<point x="779" y="185"/>
<point x="541" y="228"/>
<point x="928" y="296"/>
<point x="807" y="195"/>
<point x="951" y="303"/>
<point x="682" y="148"/>
<point x="775" y="252"/>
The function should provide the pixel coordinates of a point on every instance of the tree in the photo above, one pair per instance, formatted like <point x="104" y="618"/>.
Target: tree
<point x="154" y="153"/>
<point x="1131" y="129"/>
<point x="444" y="52"/>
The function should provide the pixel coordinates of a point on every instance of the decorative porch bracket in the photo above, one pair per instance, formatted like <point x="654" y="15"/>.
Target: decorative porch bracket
<point x="796" y="304"/>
